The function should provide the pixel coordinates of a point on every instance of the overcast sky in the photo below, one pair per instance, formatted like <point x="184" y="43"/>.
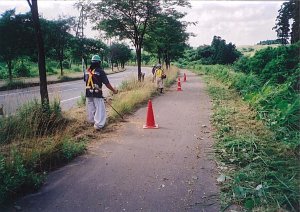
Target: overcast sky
<point x="239" y="22"/>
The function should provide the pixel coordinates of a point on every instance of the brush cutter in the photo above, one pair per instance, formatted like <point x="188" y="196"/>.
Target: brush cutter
<point x="113" y="108"/>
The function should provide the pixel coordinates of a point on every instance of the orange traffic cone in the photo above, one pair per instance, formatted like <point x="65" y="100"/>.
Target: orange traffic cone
<point x="178" y="85"/>
<point x="150" y="124"/>
<point x="184" y="77"/>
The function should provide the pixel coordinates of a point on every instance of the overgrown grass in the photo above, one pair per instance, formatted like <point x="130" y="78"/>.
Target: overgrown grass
<point x="33" y="141"/>
<point x="277" y="105"/>
<point x="13" y="84"/>
<point x="31" y="120"/>
<point x="261" y="171"/>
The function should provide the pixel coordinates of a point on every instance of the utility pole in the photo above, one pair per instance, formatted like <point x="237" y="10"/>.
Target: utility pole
<point x="80" y="32"/>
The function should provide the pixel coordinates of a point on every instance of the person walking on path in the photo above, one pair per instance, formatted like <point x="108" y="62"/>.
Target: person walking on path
<point x="94" y="78"/>
<point x="159" y="76"/>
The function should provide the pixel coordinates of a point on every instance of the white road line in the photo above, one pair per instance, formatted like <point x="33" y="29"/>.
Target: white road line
<point x="64" y="90"/>
<point x="77" y="97"/>
<point x="49" y="86"/>
<point x="18" y="93"/>
<point x="38" y="90"/>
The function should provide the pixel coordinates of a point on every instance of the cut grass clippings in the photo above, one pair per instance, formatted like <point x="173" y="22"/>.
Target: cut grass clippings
<point x="257" y="172"/>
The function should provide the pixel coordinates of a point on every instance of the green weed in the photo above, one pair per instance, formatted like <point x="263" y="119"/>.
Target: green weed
<point x="71" y="149"/>
<point x="261" y="170"/>
<point x="15" y="177"/>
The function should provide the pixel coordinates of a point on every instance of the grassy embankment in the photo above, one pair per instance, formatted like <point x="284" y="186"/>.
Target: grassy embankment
<point x="33" y="142"/>
<point x="250" y="50"/>
<point x="259" y="165"/>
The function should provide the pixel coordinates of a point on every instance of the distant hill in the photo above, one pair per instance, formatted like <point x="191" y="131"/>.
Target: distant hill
<point x="249" y="50"/>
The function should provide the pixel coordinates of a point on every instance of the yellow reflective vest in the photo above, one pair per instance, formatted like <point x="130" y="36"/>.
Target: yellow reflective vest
<point x="158" y="72"/>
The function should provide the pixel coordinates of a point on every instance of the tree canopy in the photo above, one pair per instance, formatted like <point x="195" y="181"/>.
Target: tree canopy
<point x="130" y="19"/>
<point x="166" y="37"/>
<point x="288" y="11"/>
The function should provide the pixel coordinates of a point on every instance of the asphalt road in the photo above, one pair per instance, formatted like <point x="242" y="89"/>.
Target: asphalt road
<point x="134" y="169"/>
<point x="67" y="92"/>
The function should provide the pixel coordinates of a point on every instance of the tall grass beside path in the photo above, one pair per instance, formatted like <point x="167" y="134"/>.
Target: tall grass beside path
<point x="259" y="168"/>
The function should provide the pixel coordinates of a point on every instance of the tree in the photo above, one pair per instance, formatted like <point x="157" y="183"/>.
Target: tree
<point x="41" y="52"/>
<point x="128" y="19"/>
<point x="119" y="53"/>
<point x="288" y="11"/>
<point x="223" y="53"/>
<point x="56" y="38"/>
<point x="295" y="10"/>
<point x="166" y="37"/>
<point x="12" y="45"/>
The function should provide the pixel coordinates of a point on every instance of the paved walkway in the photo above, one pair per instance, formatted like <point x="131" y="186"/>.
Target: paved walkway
<point x="136" y="169"/>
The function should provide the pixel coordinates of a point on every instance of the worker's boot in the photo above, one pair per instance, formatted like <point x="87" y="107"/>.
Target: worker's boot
<point x="161" y="90"/>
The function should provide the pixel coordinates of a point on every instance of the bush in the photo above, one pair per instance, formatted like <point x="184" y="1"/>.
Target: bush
<point x="77" y="69"/>
<point x="52" y="64"/>
<point x="242" y="65"/>
<point x="50" y="69"/>
<point x="105" y="64"/>
<point x="21" y="69"/>
<point x="71" y="149"/>
<point x="14" y="177"/>
<point x="66" y="64"/>
<point x="3" y="72"/>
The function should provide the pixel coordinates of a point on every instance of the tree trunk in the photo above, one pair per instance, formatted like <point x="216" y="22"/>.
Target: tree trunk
<point x="61" y="58"/>
<point x="41" y="53"/>
<point x="167" y="61"/>
<point x="61" y="67"/>
<point x="9" y="70"/>
<point x="139" y="61"/>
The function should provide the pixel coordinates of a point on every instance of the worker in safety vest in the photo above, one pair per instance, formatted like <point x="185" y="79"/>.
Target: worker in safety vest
<point x="159" y="73"/>
<point x="94" y="78"/>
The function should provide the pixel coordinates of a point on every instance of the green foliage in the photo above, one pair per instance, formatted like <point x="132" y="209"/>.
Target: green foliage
<point x="19" y="174"/>
<point x="277" y="65"/>
<point x="163" y="41"/>
<point x="82" y="100"/>
<point x="217" y="53"/>
<point x="120" y="53"/>
<point x="269" y="42"/>
<point x="71" y="149"/>
<point x="260" y="172"/>
<point x="14" y="177"/>
<point x="12" y="45"/>
<point x="277" y="105"/>
<point x="50" y="69"/>
<point x="21" y="69"/>
<point x="66" y="64"/>
<point x="60" y="45"/>
<point x="288" y="13"/>
<point x="31" y="120"/>
<point x="77" y="69"/>
<point x="105" y="64"/>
